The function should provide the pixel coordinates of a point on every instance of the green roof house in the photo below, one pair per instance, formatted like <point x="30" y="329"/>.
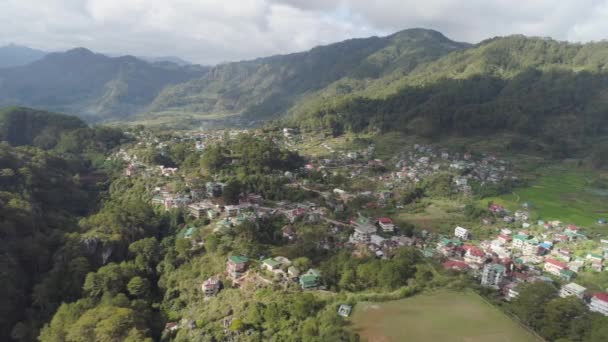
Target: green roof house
<point x="566" y="274"/>
<point x="236" y="266"/>
<point x="310" y="279"/>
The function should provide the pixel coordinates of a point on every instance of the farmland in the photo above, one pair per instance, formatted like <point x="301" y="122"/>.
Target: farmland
<point x="439" y="316"/>
<point x="564" y="193"/>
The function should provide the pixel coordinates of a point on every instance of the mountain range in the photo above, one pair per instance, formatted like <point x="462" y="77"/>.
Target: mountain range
<point x="92" y="86"/>
<point x="15" y="55"/>
<point x="415" y="75"/>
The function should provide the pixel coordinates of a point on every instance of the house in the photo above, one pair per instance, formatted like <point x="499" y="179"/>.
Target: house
<point x="576" y="265"/>
<point x="455" y="265"/>
<point x="211" y="286"/>
<point x="519" y="240"/>
<point x="376" y="240"/>
<point x="530" y="247"/>
<point x="492" y="275"/>
<point x="599" y="303"/>
<point x="386" y="224"/>
<point x="344" y="310"/>
<point x="597" y="266"/>
<point x="289" y="232"/>
<point x="572" y="289"/>
<point x="446" y="246"/>
<point x="595" y="257"/>
<point x="310" y="280"/>
<point x="273" y="264"/>
<point x="461" y="233"/>
<point x="190" y="233"/>
<point x="567" y="274"/>
<point x="511" y="291"/>
<point x="232" y="210"/>
<point x="198" y="210"/>
<point x="474" y="255"/>
<point x="362" y="230"/>
<point x="504" y="239"/>
<point x="293" y="273"/>
<point x="563" y="253"/>
<point x="293" y="215"/>
<point x="554" y="267"/>
<point x="236" y="266"/>
<point x="171" y="326"/>
<point x="403" y="241"/>
<point x="270" y="264"/>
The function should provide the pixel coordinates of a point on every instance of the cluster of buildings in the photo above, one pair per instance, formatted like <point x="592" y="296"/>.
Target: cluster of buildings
<point x="423" y="161"/>
<point x="539" y="253"/>
<point x="377" y="236"/>
<point x="281" y="268"/>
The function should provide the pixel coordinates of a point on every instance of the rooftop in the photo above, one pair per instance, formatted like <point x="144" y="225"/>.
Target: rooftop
<point x="238" y="259"/>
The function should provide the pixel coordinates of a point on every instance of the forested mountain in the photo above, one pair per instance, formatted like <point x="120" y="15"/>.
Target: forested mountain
<point x="45" y="190"/>
<point x="551" y="92"/>
<point x="414" y="81"/>
<point x="267" y="87"/>
<point x="92" y="86"/>
<point x="14" y="55"/>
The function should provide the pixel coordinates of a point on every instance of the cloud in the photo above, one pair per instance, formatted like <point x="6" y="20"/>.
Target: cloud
<point x="211" y="31"/>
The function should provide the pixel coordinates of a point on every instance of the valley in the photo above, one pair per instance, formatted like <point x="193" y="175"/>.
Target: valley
<point x="403" y="187"/>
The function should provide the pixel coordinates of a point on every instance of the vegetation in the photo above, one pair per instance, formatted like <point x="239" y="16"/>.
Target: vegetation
<point x="437" y="316"/>
<point x="93" y="86"/>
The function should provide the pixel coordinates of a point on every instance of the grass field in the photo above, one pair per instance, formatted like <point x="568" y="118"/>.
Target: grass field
<point x="440" y="316"/>
<point x="562" y="193"/>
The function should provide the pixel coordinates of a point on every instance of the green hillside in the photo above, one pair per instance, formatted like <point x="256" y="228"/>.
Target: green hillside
<point x="25" y="126"/>
<point x="268" y="87"/>
<point x="552" y="94"/>
<point x="92" y="86"/>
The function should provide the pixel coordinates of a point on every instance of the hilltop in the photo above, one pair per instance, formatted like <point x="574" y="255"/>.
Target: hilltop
<point x="90" y="85"/>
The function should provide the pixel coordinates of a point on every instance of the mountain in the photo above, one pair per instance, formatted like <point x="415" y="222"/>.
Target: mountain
<point x="267" y="87"/>
<point x="167" y="59"/>
<point x="14" y="55"/>
<point x="90" y="85"/>
<point x="551" y="95"/>
<point x="25" y="126"/>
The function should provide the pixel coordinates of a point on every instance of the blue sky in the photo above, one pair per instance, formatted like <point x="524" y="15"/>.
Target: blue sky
<point x="213" y="31"/>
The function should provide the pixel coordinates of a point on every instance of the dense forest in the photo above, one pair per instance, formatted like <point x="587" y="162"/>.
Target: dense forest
<point x="555" y="111"/>
<point x="47" y="185"/>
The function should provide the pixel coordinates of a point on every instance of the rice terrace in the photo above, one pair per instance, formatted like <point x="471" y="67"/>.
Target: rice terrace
<point x="438" y="316"/>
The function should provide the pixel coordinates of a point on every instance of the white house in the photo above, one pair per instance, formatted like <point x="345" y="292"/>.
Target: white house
<point x="572" y="289"/>
<point x="386" y="224"/>
<point x="461" y="233"/>
<point x="599" y="303"/>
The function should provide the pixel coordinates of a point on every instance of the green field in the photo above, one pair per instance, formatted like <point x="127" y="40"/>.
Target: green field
<point x="562" y="193"/>
<point x="440" y="316"/>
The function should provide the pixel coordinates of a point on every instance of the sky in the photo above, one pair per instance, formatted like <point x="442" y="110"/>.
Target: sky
<point x="215" y="31"/>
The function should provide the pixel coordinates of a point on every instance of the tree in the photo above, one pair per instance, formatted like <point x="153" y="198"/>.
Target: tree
<point x="559" y="314"/>
<point x="146" y="252"/>
<point x="232" y="191"/>
<point x="530" y="303"/>
<point x="139" y="287"/>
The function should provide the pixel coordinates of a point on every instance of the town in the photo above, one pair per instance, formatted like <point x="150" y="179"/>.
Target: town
<point x="514" y="249"/>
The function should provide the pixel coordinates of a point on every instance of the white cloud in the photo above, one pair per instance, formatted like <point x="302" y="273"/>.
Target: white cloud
<point x="210" y="31"/>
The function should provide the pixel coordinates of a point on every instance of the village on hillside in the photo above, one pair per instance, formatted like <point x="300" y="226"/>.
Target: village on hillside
<point x="516" y="249"/>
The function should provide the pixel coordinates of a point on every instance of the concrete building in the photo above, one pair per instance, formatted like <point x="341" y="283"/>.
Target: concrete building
<point x="492" y="275"/>
<point x="386" y="224"/>
<point x="572" y="289"/>
<point x="211" y="286"/>
<point x="236" y="266"/>
<point x="461" y="233"/>
<point x="599" y="303"/>
<point x="554" y="266"/>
